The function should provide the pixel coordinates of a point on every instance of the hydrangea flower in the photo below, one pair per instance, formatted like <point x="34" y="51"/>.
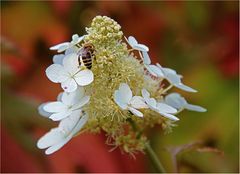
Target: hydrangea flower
<point x="126" y="101"/>
<point x="161" y="108"/>
<point x="66" y="45"/>
<point x="56" y="138"/>
<point x="177" y="101"/>
<point x="69" y="74"/>
<point x="174" y="79"/>
<point x="135" y="45"/>
<point x="113" y="95"/>
<point x="68" y="103"/>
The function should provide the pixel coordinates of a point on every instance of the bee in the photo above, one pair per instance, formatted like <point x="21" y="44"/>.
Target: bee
<point x="86" y="55"/>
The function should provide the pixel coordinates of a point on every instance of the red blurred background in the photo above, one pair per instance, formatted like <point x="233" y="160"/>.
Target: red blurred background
<point x="198" y="39"/>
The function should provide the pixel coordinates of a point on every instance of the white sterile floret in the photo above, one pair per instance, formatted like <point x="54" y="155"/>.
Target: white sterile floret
<point x="58" y="59"/>
<point x="135" y="45"/>
<point x="161" y="108"/>
<point x="126" y="101"/>
<point x="68" y="103"/>
<point x="65" y="45"/>
<point x="153" y="69"/>
<point x="174" y="79"/>
<point x="57" y="137"/>
<point x="177" y="101"/>
<point x="69" y="74"/>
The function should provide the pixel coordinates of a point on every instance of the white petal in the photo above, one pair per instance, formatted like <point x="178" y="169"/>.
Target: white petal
<point x="54" y="107"/>
<point x="60" y="115"/>
<point x="168" y="71"/>
<point x="124" y="93"/>
<point x="141" y="47"/>
<point x="56" y="73"/>
<point x="185" y="87"/>
<point x="76" y="39"/>
<point x="156" y="70"/>
<point x="52" y="137"/>
<point x="84" y="77"/>
<point x="169" y="116"/>
<point x="57" y="146"/>
<point x="162" y="107"/>
<point x="146" y="58"/>
<point x="58" y="59"/>
<point x="122" y="105"/>
<point x="145" y="94"/>
<point x="132" y="41"/>
<point x="150" y="70"/>
<point x="173" y="78"/>
<point x="82" y="121"/>
<point x="71" y="64"/>
<point x="83" y="101"/>
<point x="135" y="112"/>
<point x="195" y="108"/>
<point x="69" y="85"/>
<point x="151" y="102"/>
<point x="138" y="102"/>
<point x="67" y="124"/>
<point x="59" y="97"/>
<point x="42" y="112"/>
<point x="72" y="97"/>
<point x="60" y="47"/>
<point x="72" y="124"/>
<point x="71" y="50"/>
<point x="175" y="100"/>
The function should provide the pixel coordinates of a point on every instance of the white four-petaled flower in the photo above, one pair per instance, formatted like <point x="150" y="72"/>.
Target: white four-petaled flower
<point x="126" y="101"/>
<point x="174" y="79"/>
<point x="177" y="101"/>
<point x="57" y="137"/>
<point x="161" y="108"/>
<point x="65" y="106"/>
<point x="135" y="45"/>
<point x="69" y="74"/>
<point x="65" y="45"/>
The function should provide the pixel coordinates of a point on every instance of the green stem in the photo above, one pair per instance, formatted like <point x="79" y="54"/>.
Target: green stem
<point x="154" y="159"/>
<point x="151" y="154"/>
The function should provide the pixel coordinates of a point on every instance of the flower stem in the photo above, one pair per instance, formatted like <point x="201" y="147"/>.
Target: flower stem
<point x="154" y="159"/>
<point x="151" y="154"/>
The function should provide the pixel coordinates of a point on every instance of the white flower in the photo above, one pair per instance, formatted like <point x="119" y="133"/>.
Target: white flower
<point x="153" y="69"/>
<point x="65" y="45"/>
<point x="160" y="108"/>
<point x="57" y="137"/>
<point x="175" y="79"/>
<point x="177" y="101"/>
<point x="58" y="59"/>
<point x="65" y="106"/>
<point x="126" y="101"/>
<point x="135" y="45"/>
<point x="69" y="73"/>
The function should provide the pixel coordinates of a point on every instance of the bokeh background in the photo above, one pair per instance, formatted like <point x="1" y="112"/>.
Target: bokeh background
<point x="198" y="39"/>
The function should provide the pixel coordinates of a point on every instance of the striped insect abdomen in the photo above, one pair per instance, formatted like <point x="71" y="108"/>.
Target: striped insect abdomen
<point x="87" y="59"/>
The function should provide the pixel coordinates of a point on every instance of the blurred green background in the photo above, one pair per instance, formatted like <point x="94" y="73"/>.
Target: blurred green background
<point x="198" y="39"/>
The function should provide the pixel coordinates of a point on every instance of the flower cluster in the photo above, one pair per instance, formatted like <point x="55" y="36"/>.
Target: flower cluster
<point x="120" y="94"/>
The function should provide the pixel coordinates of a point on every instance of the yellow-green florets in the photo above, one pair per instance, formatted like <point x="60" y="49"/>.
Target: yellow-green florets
<point x="113" y="65"/>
